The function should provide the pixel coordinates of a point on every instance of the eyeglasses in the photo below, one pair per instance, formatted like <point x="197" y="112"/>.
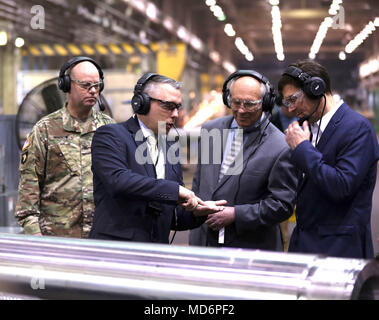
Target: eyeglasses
<point x="168" y="105"/>
<point x="247" y="104"/>
<point x="88" y="85"/>
<point x="287" y="102"/>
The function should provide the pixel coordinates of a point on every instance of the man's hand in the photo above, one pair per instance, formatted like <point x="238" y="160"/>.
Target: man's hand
<point x="188" y="199"/>
<point x="209" y="208"/>
<point x="296" y="135"/>
<point x="219" y="220"/>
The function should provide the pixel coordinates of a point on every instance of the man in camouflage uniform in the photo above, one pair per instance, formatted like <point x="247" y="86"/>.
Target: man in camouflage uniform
<point x="55" y="195"/>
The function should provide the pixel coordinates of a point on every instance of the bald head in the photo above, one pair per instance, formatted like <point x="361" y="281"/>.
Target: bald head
<point x="246" y="89"/>
<point x="81" y="97"/>
<point x="85" y="68"/>
<point x="248" y="83"/>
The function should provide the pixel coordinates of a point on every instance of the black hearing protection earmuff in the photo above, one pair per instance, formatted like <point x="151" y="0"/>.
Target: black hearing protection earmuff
<point x="268" y="100"/>
<point x="140" y="100"/>
<point x="64" y="81"/>
<point x="313" y="87"/>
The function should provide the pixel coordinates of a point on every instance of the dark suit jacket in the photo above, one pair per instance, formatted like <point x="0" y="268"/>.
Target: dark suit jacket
<point x="263" y="194"/>
<point x="131" y="204"/>
<point x="275" y="119"/>
<point x="335" y="195"/>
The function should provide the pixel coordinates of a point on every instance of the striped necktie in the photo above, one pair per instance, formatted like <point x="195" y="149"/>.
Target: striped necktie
<point x="227" y="164"/>
<point x="233" y="152"/>
<point x="153" y="149"/>
<point x="158" y="161"/>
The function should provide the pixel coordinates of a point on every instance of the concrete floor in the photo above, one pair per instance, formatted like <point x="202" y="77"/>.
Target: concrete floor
<point x="181" y="238"/>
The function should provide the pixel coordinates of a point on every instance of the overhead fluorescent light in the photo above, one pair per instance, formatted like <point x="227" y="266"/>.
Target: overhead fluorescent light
<point x="342" y="55"/>
<point x="274" y="2"/>
<point x="360" y="37"/>
<point x="196" y="43"/>
<point x="3" y="38"/>
<point x="229" y="66"/>
<point x="168" y="23"/>
<point x="183" y="33"/>
<point x="19" y="42"/>
<point x="152" y="12"/>
<point x="276" y="31"/>
<point x="249" y="56"/>
<point x="215" y="56"/>
<point x="210" y="2"/>
<point x="139" y="4"/>
<point x="229" y="30"/>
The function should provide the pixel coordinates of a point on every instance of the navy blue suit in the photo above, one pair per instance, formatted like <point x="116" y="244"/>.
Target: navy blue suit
<point x="131" y="204"/>
<point x="334" y="196"/>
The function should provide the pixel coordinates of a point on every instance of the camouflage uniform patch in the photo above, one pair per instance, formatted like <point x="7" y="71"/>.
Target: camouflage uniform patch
<point x="55" y="194"/>
<point x="26" y="144"/>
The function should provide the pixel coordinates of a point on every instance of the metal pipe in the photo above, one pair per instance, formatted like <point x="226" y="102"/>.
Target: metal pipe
<point x="61" y="268"/>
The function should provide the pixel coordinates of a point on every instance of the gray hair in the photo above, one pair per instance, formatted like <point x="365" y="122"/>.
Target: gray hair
<point x="156" y="80"/>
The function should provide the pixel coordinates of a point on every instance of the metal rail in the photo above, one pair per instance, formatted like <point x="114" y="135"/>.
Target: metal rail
<point x="60" y="268"/>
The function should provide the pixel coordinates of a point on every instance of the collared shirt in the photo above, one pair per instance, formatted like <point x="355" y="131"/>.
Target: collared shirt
<point x="324" y="122"/>
<point x="233" y="127"/>
<point x="231" y="135"/>
<point x="160" y="162"/>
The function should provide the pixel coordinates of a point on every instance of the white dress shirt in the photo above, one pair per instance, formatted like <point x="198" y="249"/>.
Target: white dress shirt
<point x="159" y="163"/>
<point x="324" y="122"/>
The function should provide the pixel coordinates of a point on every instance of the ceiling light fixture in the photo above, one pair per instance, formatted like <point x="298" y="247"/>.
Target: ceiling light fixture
<point x="276" y="30"/>
<point x="249" y="56"/>
<point x="168" y="23"/>
<point x="215" y="56"/>
<point x="241" y="46"/>
<point x="274" y="2"/>
<point x="335" y="7"/>
<point x="183" y="34"/>
<point x="323" y="29"/>
<point x="369" y="67"/>
<point x="139" y="4"/>
<point x="320" y="36"/>
<point x="229" y="66"/>
<point x="229" y="30"/>
<point x="196" y="43"/>
<point x="342" y="55"/>
<point x="3" y="38"/>
<point x="152" y="12"/>
<point x="19" y="42"/>
<point x="243" y="49"/>
<point x="360" y="37"/>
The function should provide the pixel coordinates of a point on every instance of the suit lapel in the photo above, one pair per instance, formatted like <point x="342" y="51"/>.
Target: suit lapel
<point x="134" y="128"/>
<point x="329" y="131"/>
<point x="302" y="178"/>
<point x="172" y="172"/>
<point x="217" y="166"/>
<point x="331" y="127"/>
<point x="249" y="148"/>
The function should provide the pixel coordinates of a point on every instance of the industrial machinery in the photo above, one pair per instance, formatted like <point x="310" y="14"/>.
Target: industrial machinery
<point x="60" y="268"/>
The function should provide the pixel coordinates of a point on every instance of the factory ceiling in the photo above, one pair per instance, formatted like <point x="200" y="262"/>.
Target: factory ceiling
<point x="252" y="24"/>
